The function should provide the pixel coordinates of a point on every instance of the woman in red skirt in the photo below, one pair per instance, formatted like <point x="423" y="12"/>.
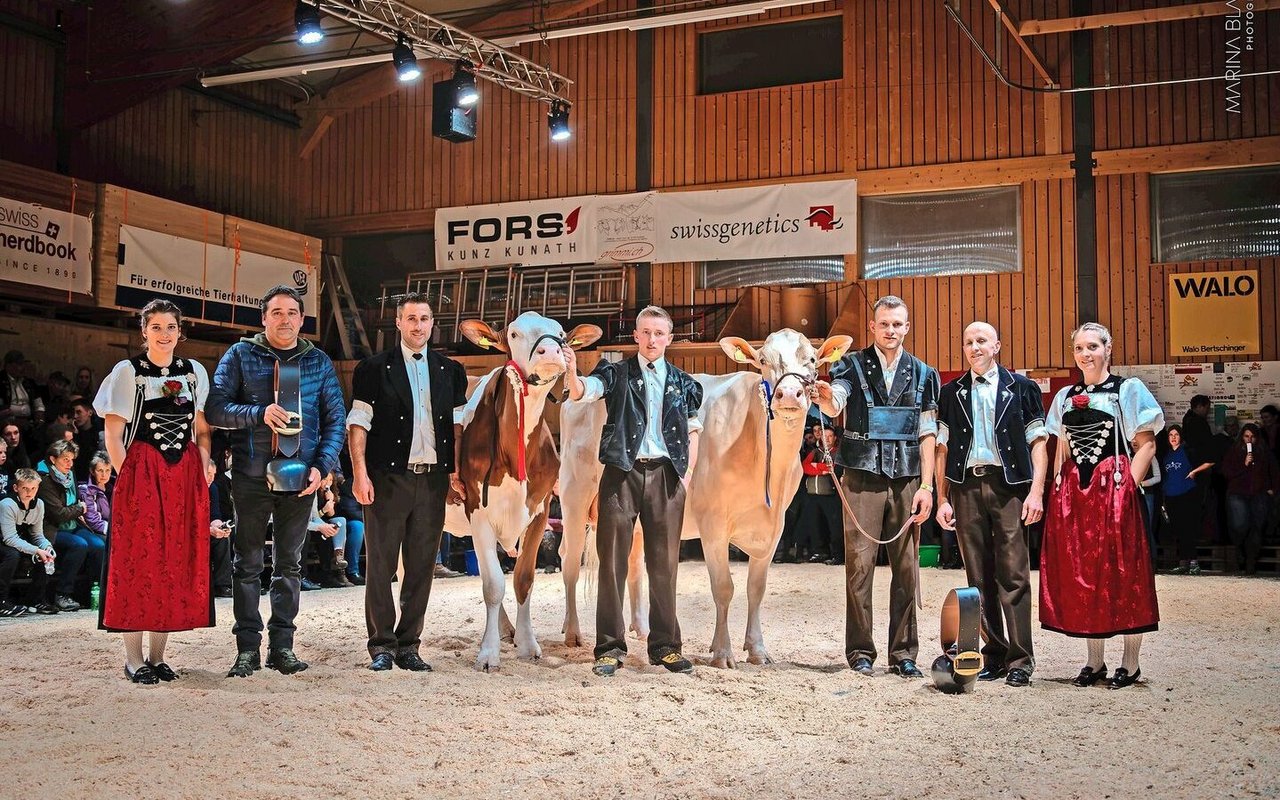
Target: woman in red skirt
<point x="1096" y="577"/>
<point x="157" y="565"/>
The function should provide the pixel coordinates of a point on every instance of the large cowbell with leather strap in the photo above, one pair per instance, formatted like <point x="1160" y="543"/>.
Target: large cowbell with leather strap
<point x="286" y="473"/>
<point x="956" y="670"/>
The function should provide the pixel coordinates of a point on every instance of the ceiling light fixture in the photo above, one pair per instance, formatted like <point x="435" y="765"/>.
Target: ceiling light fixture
<point x="306" y="20"/>
<point x="406" y="62"/>
<point x="558" y="122"/>
<point x="465" y="93"/>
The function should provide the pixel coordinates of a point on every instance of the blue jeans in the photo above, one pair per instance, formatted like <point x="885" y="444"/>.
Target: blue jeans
<point x="446" y="549"/>
<point x="355" y="541"/>
<point x="78" y="550"/>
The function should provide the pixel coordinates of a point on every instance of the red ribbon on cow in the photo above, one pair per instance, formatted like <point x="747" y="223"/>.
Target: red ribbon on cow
<point x="521" y="472"/>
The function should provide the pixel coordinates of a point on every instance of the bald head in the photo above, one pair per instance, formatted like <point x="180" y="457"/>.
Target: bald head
<point x="981" y="346"/>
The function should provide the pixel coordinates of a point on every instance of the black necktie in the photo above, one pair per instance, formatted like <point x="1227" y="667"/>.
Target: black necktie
<point x="417" y="356"/>
<point x="651" y="366"/>
<point x="981" y="379"/>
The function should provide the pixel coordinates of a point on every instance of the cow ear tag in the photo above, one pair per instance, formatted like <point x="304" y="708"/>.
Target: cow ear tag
<point x="484" y="341"/>
<point x="573" y="342"/>
<point x="739" y="356"/>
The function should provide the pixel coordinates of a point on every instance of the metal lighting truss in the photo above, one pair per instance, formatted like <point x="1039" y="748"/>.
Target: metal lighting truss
<point x="426" y="34"/>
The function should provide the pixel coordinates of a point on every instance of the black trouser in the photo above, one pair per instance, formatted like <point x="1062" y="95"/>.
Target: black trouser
<point x="9" y="560"/>
<point x="288" y="513"/>
<point x="652" y="492"/>
<point x="220" y="562"/>
<point x="407" y="516"/>
<point x="822" y="525"/>
<point x="1186" y="518"/>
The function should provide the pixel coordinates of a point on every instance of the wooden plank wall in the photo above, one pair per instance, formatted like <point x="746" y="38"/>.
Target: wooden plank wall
<point x="26" y="82"/>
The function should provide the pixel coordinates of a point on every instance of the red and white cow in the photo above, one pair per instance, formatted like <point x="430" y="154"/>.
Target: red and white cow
<point x="741" y="443"/>
<point x="508" y="465"/>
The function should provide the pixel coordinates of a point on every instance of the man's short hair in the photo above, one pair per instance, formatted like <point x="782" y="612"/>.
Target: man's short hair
<point x="888" y="301"/>
<point x="82" y="402"/>
<point x="413" y="297"/>
<point x="14" y="357"/>
<point x="25" y="475"/>
<point x="1271" y="409"/>
<point x="655" y="311"/>
<point x="1200" y="400"/>
<point x="276" y="291"/>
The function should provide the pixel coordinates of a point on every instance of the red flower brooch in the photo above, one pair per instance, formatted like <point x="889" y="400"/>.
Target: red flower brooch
<point x="1080" y="401"/>
<point x="173" y="389"/>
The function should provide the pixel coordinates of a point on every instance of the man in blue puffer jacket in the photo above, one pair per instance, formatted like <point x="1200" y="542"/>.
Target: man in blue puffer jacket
<point x="242" y="398"/>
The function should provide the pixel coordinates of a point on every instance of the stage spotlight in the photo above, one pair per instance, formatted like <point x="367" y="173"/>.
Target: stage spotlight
<point x="406" y="63"/>
<point x="306" y="19"/>
<point x="558" y="121"/>
<point x="465" y="94"/>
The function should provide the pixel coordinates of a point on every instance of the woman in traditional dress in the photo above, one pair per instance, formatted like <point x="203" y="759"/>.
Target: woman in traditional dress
<point x="1096" y="576"/>
<point x="157" y="571"/>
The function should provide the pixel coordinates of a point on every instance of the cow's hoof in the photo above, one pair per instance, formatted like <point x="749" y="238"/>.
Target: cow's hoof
<point x="761" y="658"/>
<point x="530" y="653"/>
<point x="488" y="663"/>
<point x="572" y="639"/>
<point x="642" y="634"/>
<point x="723" y="662"/>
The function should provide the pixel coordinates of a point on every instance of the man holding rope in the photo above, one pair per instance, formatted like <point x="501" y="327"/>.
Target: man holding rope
<point x="887" y="451"/>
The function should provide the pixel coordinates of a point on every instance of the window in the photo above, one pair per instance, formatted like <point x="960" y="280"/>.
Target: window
<point x="942" y="233"/>
<point x="760" y="56"/>
<point x="773" y="272"/>
<point x="1216" y="214"/>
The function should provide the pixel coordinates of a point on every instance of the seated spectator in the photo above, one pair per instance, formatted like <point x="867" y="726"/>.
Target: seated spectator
<point x="57" y="391"/>
<point x="333" y="530"/>
<point x="22" y="536"/>
<point x="351" y="510"/>
<point x="220" y="527"/>
<point x="77" y="547"/>
<point x="1252" y="480"/>
<point x="85" y="386"/>
<point x="96" y="494"/>
<point x="20" y="398"/>
<point x="86" y="431"/>
<point x="6" y="469"/>
<point x="11" y="432"/>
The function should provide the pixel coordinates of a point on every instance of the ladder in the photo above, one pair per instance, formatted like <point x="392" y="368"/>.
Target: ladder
<point x="347" y="320"/>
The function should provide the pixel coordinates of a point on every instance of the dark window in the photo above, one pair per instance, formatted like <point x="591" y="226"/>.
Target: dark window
<point x="760" y="56"/>
<point x="1215" y="214"/>
<point x="966" y="232"/>
<point x="372" y="260"/>
<point x="771" y="272"/>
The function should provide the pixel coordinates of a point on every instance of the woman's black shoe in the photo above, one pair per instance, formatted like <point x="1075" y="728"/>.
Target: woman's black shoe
<point x="145" y="674"/>
<point x="1122" y="678"/>
<point x="1089" y="676"/>
<point x="163" y="671"/>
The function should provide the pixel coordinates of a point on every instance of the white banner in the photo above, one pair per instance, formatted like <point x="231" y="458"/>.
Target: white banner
<point x="203" y="279"/>
<point x="778" y="221"/>
<point x="43" y="247"/>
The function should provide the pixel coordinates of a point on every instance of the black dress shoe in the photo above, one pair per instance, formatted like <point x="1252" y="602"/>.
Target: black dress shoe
<point x="282" y="660"/>
<point x="412" y="662"/>
<point x="223" y="591"/>
<point x="862" y="666"/>
<point x="247" y="663"/>
<point x="992" y="673"/>
<point x="1018" y="677"/>
<point x="163" y="671"/>
<point x="1089" y="676"/>
<point x="907" y="669"/>
<point x="309" y="585"/>
<point x="673" y="662"/>
<point x="144" y="674"/>
<point x="817" y="558"/>
<point x="1122" y="678"/>
<point x="356" y="578"/>
<point x="381" y="662"/>
<point x="606" y="666"/>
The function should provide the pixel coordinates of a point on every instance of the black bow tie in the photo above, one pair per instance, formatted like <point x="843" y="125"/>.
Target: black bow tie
<point x="651" y="366"/>
<point x="417" y="356"/>
<point x="981" y="379"/>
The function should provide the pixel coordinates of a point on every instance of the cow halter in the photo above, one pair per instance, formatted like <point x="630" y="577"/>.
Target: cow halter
<point x="767" y="393"/>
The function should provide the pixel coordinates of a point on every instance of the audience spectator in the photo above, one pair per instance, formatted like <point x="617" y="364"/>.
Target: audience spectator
<point x="11" y="432"/>
<point x="20" y="398"/>
<point x="350" y="509"/>
<point x="22" y="536"/>
<point x="821" y="526"/>
<point x="333" y="534"/>
<point x="57" y="391"/>
<point x="6" y="470"/>
<point x="1150" y="500"/>
<point x="87" y="432"/>
<point x="1196" y="432"/>
<point x="95" y="493"/>
<point x="1183" y="498"/>
<point x="220" y="521"/>
<point x="85" y="386"/>
<point x="1252" y="478"/>
<point x="76" y="545"/>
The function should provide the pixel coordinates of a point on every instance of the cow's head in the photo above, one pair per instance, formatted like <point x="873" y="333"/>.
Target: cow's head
<point x="789" y="362"/>
<point x="536" y="344"/>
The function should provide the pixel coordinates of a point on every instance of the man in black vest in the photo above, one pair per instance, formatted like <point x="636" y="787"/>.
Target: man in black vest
<point x="887" y="450"/>
<point x="648" y="446"/>
<point x="403" y="461"/>
<point x="992" y="451"/>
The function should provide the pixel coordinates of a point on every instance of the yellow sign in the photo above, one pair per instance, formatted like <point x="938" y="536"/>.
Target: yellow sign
<point x="1213" y="313"/>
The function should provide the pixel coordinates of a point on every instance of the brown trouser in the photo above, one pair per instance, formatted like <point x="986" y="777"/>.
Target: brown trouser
<point x="652" y="492"/>
<point x="881" y="505"/>
<point x="988" y="514"/>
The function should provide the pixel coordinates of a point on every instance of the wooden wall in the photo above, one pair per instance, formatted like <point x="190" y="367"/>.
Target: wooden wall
<point x="26" y="87"/>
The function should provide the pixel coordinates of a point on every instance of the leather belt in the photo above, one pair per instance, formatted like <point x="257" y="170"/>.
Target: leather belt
<point x="652" y="462"/>
<point x="985" y="469"/>
<point x="956" y="671"/>
<point x="419" y="469"/>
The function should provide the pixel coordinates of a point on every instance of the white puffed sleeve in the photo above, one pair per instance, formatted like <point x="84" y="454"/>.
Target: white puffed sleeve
<point x="1139" y="410"/>
<point x="1053" y="422"/>
<point x="118" y="392"/>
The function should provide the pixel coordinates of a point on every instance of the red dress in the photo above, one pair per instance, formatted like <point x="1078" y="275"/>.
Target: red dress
<point x="1096" y="576"/>
<point x="157" y="561"/>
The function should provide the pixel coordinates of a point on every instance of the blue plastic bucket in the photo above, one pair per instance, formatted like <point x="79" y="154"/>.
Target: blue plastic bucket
<point x="473" y="563"/>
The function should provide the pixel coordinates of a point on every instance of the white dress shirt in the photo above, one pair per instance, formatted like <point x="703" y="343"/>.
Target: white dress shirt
<point x="422" y="447"/>
<point x="983" y="450"/>
<point x="654" y="375"/>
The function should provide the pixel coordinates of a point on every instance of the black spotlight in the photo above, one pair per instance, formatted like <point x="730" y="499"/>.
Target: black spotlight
<point x="465" y="94"/>
<point x="406" y="63"/>
<point x="558" y="121"/>
<point x="448" y="121"/>
<point x="306" y="20"/>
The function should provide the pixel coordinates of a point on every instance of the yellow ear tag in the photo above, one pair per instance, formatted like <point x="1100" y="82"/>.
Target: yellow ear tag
<point x="739" y="356"/>
<point x="484" y="341"/>
<point x="572" y="343"/>
<point x="836" y="355"/>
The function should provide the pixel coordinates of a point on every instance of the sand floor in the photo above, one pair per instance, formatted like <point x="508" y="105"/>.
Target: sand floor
<point x="1205" y="724"/>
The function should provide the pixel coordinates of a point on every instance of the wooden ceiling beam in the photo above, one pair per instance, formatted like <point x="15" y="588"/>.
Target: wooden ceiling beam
<point x="1040" y="27"/>
<point x="1011" y="25"/>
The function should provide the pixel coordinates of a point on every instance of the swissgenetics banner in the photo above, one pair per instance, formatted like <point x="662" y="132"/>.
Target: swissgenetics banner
<point x="204" y="280"/>
<point x="43" y="247"/>
<point x="779" y="221"/>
